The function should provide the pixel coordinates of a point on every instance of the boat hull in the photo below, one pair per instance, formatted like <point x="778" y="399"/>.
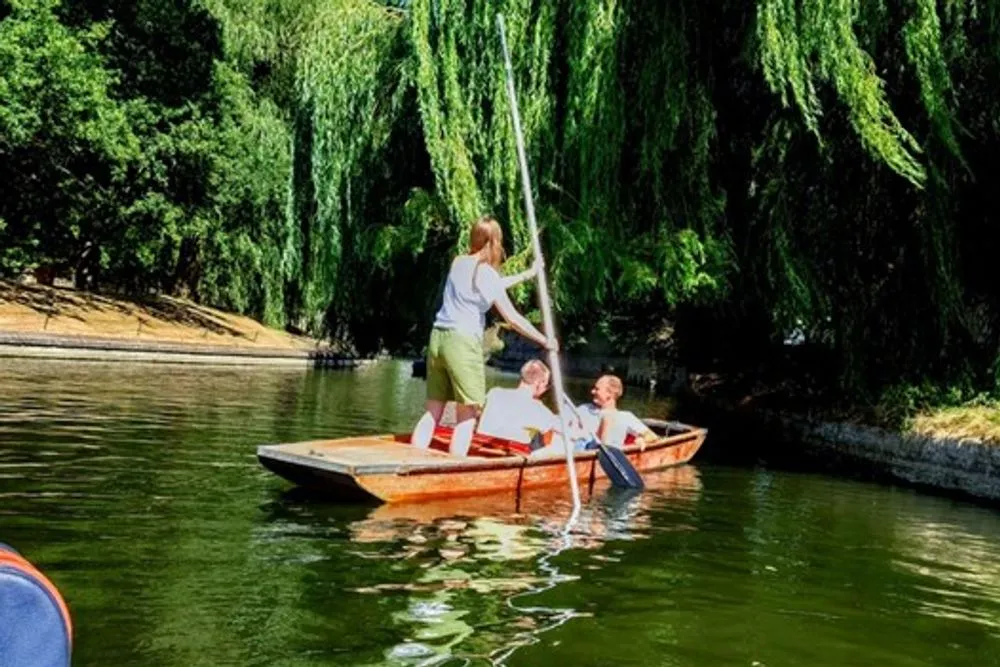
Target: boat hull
<point x="385" y="468"/>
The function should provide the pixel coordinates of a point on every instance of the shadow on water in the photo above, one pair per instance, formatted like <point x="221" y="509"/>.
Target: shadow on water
<point x="741" y="440"/>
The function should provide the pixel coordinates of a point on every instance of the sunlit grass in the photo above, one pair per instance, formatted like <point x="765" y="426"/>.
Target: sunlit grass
<point x="979" y="422"/>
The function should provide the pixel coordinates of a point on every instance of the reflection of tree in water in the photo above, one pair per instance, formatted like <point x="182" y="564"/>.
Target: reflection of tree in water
<point x="469" y="567"/>
<point x="472" y="603"/>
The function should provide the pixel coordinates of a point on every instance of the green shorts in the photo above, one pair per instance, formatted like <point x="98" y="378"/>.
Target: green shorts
<point x="455" y="368"/>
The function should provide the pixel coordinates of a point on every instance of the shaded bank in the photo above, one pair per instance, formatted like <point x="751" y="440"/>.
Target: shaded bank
<point x="790" y="439"/>
<point x="39" y="311"/>
<point x="642" y="366"/>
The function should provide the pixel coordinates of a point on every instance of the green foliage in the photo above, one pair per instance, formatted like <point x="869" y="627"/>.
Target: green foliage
<point x="820" y="166"/>
<point x="664" y="236"/>
<point x="350" y="82"/>
<point x="898" y="404"/>
<point x="249" y="254"/>
<point x="803" y="46"/>
<point x="65" y="144"/>
<point x="423" y="216"/>
<point x="925" y="50"/>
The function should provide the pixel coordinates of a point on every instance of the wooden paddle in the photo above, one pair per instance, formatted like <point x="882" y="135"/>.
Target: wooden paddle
<point x="543" y="290"/>
<point x="613" y="461"/>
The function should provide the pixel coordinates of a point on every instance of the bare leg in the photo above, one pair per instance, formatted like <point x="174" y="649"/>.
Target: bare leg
<point x="465" y="413"/>
<point x="424" y="430"/>
<point x="465" y="424"/>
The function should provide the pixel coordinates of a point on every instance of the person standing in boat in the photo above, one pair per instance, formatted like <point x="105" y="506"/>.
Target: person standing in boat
<point x="455" y="361"/>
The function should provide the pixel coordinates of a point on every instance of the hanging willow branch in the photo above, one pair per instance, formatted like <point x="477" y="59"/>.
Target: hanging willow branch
<point x="618" y="99"/>
<point x="924" y="48"/>
<point x="350" y="83"/>
<point x="812" y="43"/>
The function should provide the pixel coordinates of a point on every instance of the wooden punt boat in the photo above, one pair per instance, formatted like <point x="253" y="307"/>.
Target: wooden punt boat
<point x="387" y="468"/>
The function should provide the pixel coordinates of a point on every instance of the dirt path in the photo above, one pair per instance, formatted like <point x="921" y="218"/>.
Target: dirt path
<point x="38" y="310"/>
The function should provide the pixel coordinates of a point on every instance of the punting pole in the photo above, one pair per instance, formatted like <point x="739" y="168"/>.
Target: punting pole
<point x="543" y="291"/>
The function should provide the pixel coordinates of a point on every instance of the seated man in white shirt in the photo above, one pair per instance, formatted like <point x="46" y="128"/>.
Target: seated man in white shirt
<point x="609" y="424"/>
<point x="518" y="414"/>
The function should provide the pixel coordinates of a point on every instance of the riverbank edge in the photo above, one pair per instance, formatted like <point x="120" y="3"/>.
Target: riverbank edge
<point x="95" y="348"/>
<point x="638" y="368"/>
<point x="961" y="466"/>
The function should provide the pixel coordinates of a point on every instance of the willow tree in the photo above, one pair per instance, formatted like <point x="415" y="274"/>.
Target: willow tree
<point x="346" y="68"/>
<point x="781" y="164"/>
<point x="339" y="70"/>
<point x="859" y="232"/>
<point x="605" y="166"/>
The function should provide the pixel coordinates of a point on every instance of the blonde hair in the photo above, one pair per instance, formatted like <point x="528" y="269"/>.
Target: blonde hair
<point x="486" y="240"/>
<point x="534" y="371"/>
<point x="615" y="384"/>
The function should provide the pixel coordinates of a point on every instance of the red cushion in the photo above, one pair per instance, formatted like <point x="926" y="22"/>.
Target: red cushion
<point x="443" y="434"/>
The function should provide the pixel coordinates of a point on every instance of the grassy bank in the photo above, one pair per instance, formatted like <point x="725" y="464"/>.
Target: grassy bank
<point x="978" y="422"/>
<point x="39" y="310"/>
<point x="936" y="412"/>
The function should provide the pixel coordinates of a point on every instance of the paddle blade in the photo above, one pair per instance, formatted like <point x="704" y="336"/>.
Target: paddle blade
<point x="618" y="468"/>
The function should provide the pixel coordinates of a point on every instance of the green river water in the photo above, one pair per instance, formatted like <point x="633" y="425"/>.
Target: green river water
<point x="136" y="489"/>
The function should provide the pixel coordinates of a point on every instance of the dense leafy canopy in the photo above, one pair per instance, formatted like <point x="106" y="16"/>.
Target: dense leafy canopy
<point x="760" y="168"/>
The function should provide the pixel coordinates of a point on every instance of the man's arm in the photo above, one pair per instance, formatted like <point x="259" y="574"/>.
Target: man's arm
<point x="640" y="430"/>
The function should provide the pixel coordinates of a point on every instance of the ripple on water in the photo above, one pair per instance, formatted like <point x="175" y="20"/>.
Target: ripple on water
<point x="957" y="570"/>
<point x="137" y="489"/>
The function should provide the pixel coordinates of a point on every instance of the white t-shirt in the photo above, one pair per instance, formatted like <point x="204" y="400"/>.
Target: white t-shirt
<point x="514" y="414"/>
<point x="464" y="305"/>
<point x="620" y="423"/>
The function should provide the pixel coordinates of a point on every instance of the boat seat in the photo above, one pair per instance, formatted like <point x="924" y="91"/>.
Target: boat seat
<point x="488" y="446"/>
<point x="482" y="445"/>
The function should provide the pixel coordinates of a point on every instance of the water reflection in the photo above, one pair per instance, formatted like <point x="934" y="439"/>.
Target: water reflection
<point x="958" y="574"/>
<point x="476" y="551"/>
<point x="136" y="488"/>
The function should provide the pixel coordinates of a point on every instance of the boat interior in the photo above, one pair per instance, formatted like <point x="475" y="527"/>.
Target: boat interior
<point x="484" y="446"/>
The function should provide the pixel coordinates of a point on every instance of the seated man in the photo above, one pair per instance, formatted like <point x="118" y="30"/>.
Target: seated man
<point x="609" y="424"/>
<point x="518" y="414"/>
